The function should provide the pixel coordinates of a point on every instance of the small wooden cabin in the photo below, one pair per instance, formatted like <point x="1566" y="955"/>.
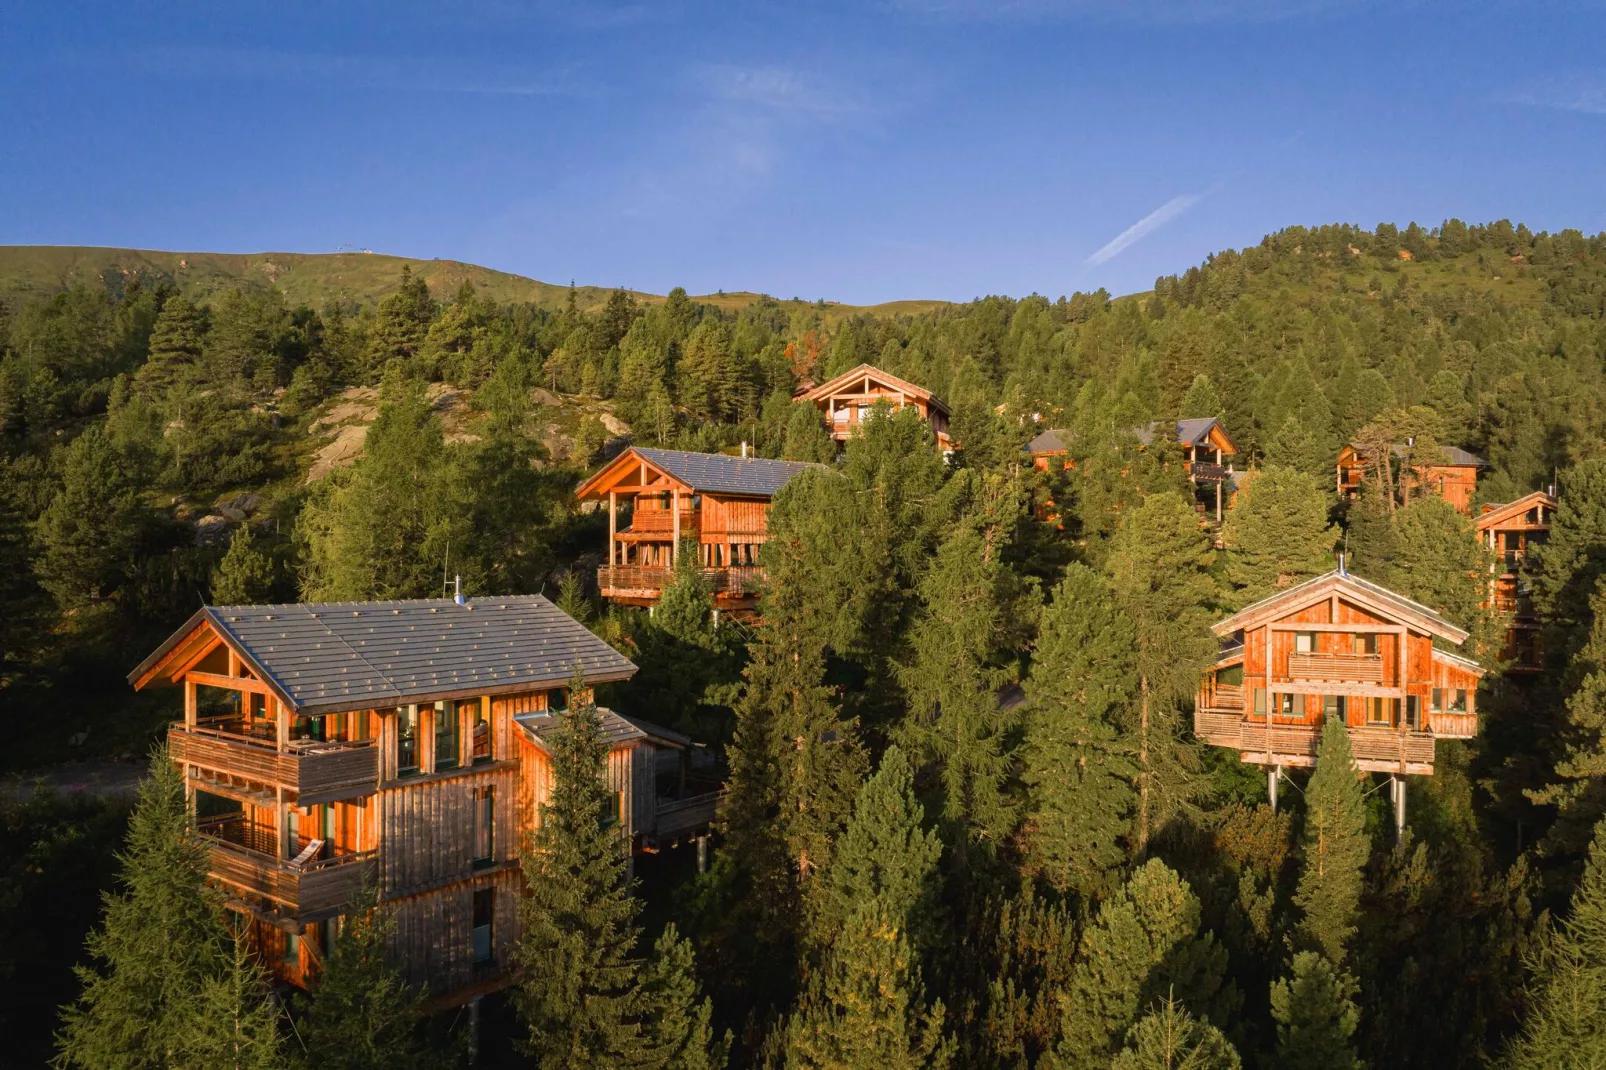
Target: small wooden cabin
<point x="1050" y="448"/>
<point x="1456" y="480"/>
<point x="847" y="400"/>
<point x="324" y="745"/>
<point x="721" y="502"/>
<point x="1338" y="646"/>
<point x="1511" y="531"/>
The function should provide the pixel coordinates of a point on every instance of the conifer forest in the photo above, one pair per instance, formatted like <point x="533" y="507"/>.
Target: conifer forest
<point x="966" y="819"/>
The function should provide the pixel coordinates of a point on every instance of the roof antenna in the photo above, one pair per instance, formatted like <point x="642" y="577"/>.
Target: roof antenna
<point x="457" y="590"/>
<point x="1342" y="570"/>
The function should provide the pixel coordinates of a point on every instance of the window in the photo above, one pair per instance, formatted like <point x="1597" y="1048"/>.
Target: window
<point x="1232" y="676"/>
<point x="292" y="951"/>
<point x="407" y="741"/>
<point x="445" y="735"/>
<point x="613" y="809"/>
<point x="1285" y="705"/>
<point x="1260" y="702"/>
<point x="1436" y="700"/>
<point x="1333" y="707"/>
<point x="484" y="912"/>
<point x="1380" y="711"/>
<point x="479" y="732"/>
<point x="1304" y="642"/>
<point x="1413" y="712"/>
<point x="484" y="826"/>
<point x="1366" y="644"/>
<point x="1458" y="699"/>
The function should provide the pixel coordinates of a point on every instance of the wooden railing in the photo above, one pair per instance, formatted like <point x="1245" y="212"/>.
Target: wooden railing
<point x="312" y="769"/>
<point x="1216" y="696"/>
<point x="661" y="522"/>
<point x="640" y="581"/>
<point x="1452" y="725"/>
<point x="320" y="886"/>
<point x="1347" y="668"/>
<point x="1370" y="743"/>
<point x="1207" y="472"/>
<point x="679" y="816"/>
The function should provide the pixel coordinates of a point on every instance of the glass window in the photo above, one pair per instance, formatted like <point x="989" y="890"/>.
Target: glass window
<point x="1436" y="701"/>
<point x="407" y="741"/>
<point x="292" y="951"/>
<point x="1366" y="644"/>
<point x="613" y="808"/>
<point x="1260" y="702"/>
<point x="484" y="826"/>
<point x="1413" y="712"/>
<point x="1458" y="700"/>
<point x="484" y="914"/>
<point x="1333" y="706"/>
<point x="479" y="730"/>
<point x="445" y="735"/>
<point x="1304" y="642"/>
<point x="1380" y="711"/>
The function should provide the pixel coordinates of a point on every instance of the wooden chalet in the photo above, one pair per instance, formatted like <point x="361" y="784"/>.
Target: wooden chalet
<point x="1511" y="531"/>
<point x="1050" y="449"/>
<point x="1338" y="646"/>
<point x="1456" y="480"/>
<point x="847" y="400"/>
<point x="325" y="745"/>
<point x="721" y="502"/>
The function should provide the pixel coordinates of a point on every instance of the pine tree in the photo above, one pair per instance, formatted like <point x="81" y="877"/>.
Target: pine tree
<point x="579" y="999"/>
<point x="676" y="1021"/>
<point x="1159" y="570"/>
<point x="1566" y="1023"/>
<point x="1172" y="1039"/>
<point x="1277" y="534"/>
<point x="362" y="1014"/>
<point x="1334" y="847"/>
<point x="160" y="944"/>
<point x="1315" y="1017"/>
<point x="1143" y="947"/>
<point x="952" y="676"/>
<point x="175" y="349"/>
<point x="873" y="909"/>
<point x="1441" y="561"/>
<point x="806" y="437"/>
<point x="1570" y="565"/>
<point x="1369" y="543"/>
<point x="1298" y="446"/>
<point x="1578" y="790"/>
<point x="401" y="325"/>
<point x="233" y="1024"/>
<point x="1079" y="769"/>
<point x="245" y="575"/>
<point x="1202" y="399"/>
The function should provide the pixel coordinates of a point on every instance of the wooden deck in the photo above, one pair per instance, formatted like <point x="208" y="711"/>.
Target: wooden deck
<point x="315" y="772"/>
<point x="647" y="583"/>
<point x="319" y="888"/>
<point x="1377" y="749"/>
<point x="677" y="817"/>
<point x="1336" y="668"/>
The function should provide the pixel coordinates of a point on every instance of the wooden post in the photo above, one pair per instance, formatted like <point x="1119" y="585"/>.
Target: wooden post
<point x="1218" y="488"/>
<point x="613" y="524"/>
<point x="674" y="526"/>
<point x="283" y="726"/>
<point x="189" y="703"/>
<point x="1272" y="776"/>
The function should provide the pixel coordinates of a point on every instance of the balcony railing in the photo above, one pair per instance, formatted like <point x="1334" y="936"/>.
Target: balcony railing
<point x="1207" y="472"/>
<point x="633" y="581"/>
<point x="1371" y="743"/>
<point x="679" y="816"/>
<point x="314" y="770"/>
<point x="661" y="522"/>
<point x="1336" y="668"/>
<point x="245" y="860"/>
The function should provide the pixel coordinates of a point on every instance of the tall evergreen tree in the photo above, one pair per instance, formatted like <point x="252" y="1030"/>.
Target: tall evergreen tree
<point x="1296" y="445"/>
<point x="160" y="944"/>
<point x="245" y="575"/>
<point x="1370" y="546"/>
<point x="1566" y="1023"/>
<point x="1578" y="789"/>
<point x="1334" y="847"/>
<point x="1441" y="561"/>
<point x="1080" y="769"/>
<point x="175" y="349"/>
<point x="1143" y="947"/>
<point x="1315" y="1017"/>
<point x="1572" y="561"/>
<point x="579" y="999"/>
<point x="233" y="1023"/>
<point x="1172" y="1039"/>
<point x="1277" y="534"/>
<point x="362" y="1014"/>
<point x="675" y="1018"/>
<point x="401" y="325"/>
<point x="1159" y="570"/>
<point x="1202" y="399"/>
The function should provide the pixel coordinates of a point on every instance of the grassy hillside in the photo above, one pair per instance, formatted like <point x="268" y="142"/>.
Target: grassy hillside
<point x="313" y="278"/>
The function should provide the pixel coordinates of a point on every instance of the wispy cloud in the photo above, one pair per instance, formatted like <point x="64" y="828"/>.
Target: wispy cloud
<point x="1579" y="92"/>
<point x="776" y="88"/>
<point x="1144" y="227"/>
<point x="1145" y="12"/>
<point x="389" y="73"/>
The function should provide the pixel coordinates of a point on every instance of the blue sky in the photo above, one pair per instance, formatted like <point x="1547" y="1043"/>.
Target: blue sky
<point x="861" y="152"/>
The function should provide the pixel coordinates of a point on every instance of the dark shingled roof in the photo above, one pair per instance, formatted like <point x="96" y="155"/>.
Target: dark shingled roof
<point x="1051" y="441"/>
<point x="616" y="728"/>
<point x="1454" y="456"/>
<point x="719" y="473"/>
<point x="1188" y="432"/>
<point x="331" y="656"/>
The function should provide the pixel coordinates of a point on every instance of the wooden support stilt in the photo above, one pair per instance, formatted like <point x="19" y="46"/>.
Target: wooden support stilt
<point x="1272" y="776"/>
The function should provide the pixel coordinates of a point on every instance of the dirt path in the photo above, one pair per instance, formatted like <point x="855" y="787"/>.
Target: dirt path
<point x="108" y="779"/>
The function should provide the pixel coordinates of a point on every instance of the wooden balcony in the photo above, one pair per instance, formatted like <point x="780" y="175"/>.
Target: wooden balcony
<point x="647" y="583"/>
<point x="1206" y="472"/>
<point x="314" y="771"/>
<point x="1452" y="725"/>
<point x="1336" y="668"/>
<point x="244" y="862"/>
<point x="659" y="524"/>
<point x="1377" y="748"/>
<point x="677" y="817"/>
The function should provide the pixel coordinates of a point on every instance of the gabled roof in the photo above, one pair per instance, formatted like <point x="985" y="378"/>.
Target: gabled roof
<point x="324" y="657"/>
<point x="838" y="384"/>
<point x="1193" y="431"/>
<point x="1349" y="586"/>
<point x="1050" y="441"/>
<point x="1495" y="515"/>
<point x="700" y="473"/>
<point x="616" y="729"/>
<point x="1454" y="456"/>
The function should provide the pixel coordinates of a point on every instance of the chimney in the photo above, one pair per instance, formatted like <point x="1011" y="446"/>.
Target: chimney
<point x="457" y="590"/>
<point x="744" y="449"/>
<point x="1342" y="570"/>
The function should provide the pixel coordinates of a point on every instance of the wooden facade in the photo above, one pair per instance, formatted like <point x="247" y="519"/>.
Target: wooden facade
<point x="1338" y="646"/>
<point x="429" y="799"/>
<point x="671" y="497"/>
<point x="849" y="398"/>
<point x="1511" y="532"/>
<point x="1456" y="480"/>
